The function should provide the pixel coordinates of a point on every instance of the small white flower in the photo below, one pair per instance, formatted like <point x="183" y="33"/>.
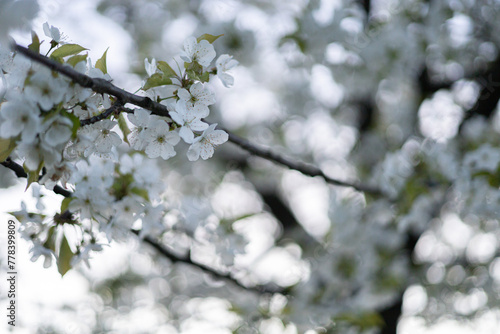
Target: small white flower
<point x="197" y="99"/>
<point x="203" y="52"/>
<point x="127" y="211"/>
<point x="45" y="90"/>
<point x="152" y="220"/>
<point x="58" y="172"/>
<point x="20" y="116"/>
<point x="52" y="32"/>
<point x="141" y="118"/>
<point x="161" y="141"/>
<point x="39" y="250"/>
<point x="103" y="139"/>
<point x="204" y="145"/>
<point x="224" y="63"/>
<point x="84" y="253"/>
<point x="57" y="130"/>
<point x="150" y="67"/>
<point x="485" y="158"/>
<point x="36" y="152"/>
<point x="188" y="121"/>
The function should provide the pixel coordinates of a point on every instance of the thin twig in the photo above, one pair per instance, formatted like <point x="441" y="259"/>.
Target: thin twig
<point x="115" y="107"/>
<point x="304" y="168"/>
<point x="227" y="277"/>
<point x="102" y="86"/>
<point x="19" y="171"/>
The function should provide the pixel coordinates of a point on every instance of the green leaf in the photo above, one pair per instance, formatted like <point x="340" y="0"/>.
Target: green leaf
<point x="205" y="77"/>
<point x="33" y="175"/>
<point x="35" y="43"/>
<point x="122" y="123"/>
<point x="65" y="203"/>
<point x="50" y="242"/>
<point x="64" y="258"/>
<point x="76" y="59"/>
<point x="67" y="50"/>
<point x="363" y="321"/>
<point x="6" y="147"/>
<point x="140" y="192"/>
<point x="166" y="69"/>
<point x="101" y="63"/>
<point x="208" y="37"/>
<point x="75" y="120"/>
<point x="157" y="79"/>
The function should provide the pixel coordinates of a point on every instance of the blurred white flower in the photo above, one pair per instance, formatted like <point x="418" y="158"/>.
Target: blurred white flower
<point x="224" y="63"/>
<point x="20" y="117"/>
<point x="204" y="145"/>
<point x="203" y="52"/>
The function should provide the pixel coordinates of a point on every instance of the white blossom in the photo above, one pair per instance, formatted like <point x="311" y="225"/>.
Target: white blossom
<point x="201" y="52"/>
<point x="45" y="90"/>
<point x="224" y="63"/>
<point x="188" y="121"/>
<point x="485" y="158"/>
<point x="52" y="32"/>
<point x="161" y="141"/>
<point x="150" y="67"/>
<point x="20" y="117"/>
<point x="204" y="145"/>
<point x="197" y="99"/>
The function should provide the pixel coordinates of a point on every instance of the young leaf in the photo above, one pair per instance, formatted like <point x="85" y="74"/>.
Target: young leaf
<point x="33" y="175"/>
<point x="140" y="192"/>
<point x="67" y="50"/>
<point x="76" y="59"/>
<point x="166" y="69"/>
<point x="7" y="145"/>
<point x="157" y="79"/>
<point x="208" y="37"/>
<point x="35" y="43"/>
<point x="64" y="258"/>
<point x="122" y="123"/>
<point x="50" y="242"/>
<point x="65" y="203"/>
<point x="101" y="63"/>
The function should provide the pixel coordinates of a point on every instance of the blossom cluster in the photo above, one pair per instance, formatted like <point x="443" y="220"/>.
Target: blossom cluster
<point x="69" y="136"/>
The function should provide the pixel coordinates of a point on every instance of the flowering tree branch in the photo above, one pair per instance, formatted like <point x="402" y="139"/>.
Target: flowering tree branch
<point x="99" y="85"/>
<point x="19" y="171"/>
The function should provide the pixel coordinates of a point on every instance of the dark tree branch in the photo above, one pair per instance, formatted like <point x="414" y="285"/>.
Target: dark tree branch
<point x="19" y="171"/>
<point x="292" y="229"/>
<point x="392" y="313"/>
<point x="428" y="86"/>
<point x="366" y="4"/>
<point x="115" y="108"/>
<point x="98" y="85"/>
<point x="226" y="277"/>
<point x="102" y="86"/>
<point x="300" y="166"/>
<point x="488" y="97"/>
